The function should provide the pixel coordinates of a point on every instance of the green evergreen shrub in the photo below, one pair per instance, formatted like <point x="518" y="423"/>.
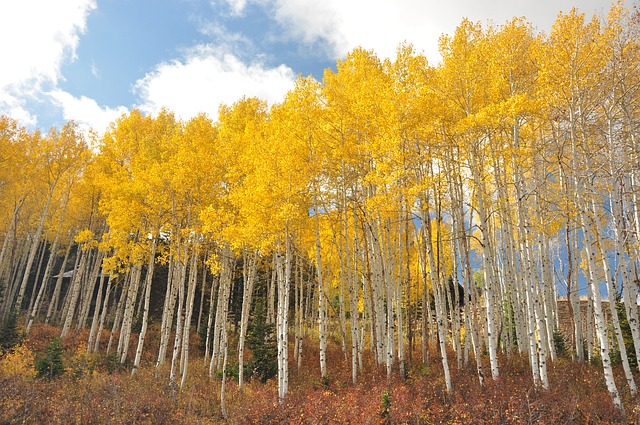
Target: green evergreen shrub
<point x="261" y="341"/>
<point x="50" y="365"/>
<point x="10" y="336"/>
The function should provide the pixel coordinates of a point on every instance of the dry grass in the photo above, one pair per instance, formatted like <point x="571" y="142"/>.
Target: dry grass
<point x="92" y="391"/>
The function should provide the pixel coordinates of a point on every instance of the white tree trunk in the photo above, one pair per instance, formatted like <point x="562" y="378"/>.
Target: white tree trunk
<point x="249" y="277"/>
<point x="283" y="270"/>
<point x="145" y="312"/>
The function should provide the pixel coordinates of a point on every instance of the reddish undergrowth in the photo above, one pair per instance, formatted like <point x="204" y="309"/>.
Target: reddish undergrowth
<point x="94" y="390"/>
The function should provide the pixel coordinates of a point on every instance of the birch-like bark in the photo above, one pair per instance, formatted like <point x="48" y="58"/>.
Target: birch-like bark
<point x="56" y="291"/>
<point x="322" y="309"/>
<point x="591" y="248"/>
<point x="223" y="384"/>
<point x="220" y="326"/>
<point x="36" y="275"/>
<point x="249" y="276"/>
<point x="45" y="282"/>
<point x="145" y="312"/>
<point x="74" y="290"/>
<point x="96" y="315"/>
<point x="181" y="275"/>
<point x="629" y="289"/>
<point x="611" y="293"/>
<point x="127" y="316"/>
<point x="283" y="269"/>
<point x="167" y="312"/>
<point x="191" y="293"/>
<point x="207" y="348"/>
<point x="120" y="307"/>
<point x="34" y="247"/>
<point x="438" y="299"/>
<point x="90" y="289"/>
<point x="489" y="277"/>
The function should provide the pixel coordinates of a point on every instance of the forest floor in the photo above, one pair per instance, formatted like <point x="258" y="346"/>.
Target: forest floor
<point x="96" y="390"/>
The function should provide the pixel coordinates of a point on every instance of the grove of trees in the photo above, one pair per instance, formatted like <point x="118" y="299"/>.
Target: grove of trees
<point x="396" y="206"/>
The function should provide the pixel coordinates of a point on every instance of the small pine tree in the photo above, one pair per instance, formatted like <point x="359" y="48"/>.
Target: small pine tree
<point x="50" y="365"/>
<point x="261" y="341"/>
<point x="10" y="336"/>
<point x="626" y="335"/>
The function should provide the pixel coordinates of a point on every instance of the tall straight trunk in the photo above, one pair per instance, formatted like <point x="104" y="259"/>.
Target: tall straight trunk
<point x="214" y="282"/>
<point x="96" y="315"/>
<point x="438" y="299"/>
<point x="103" y="314"/>
<point x="591" y="249"/>
<point x="249" y="276"/>
<point x="202" y="295"/>
<point x="398" y="299"/>
<point x="36" y="279"/>
<point x="322" y="309"/>
<point x="56" y="291"/>
<point x="168" y="311"/>
<point x="19" y="263"/>
<point x="34" y="248"/>
<point x="629" y="289"/>
<point x="223" y="384"/>
<point x="177" y="340"/>
<point x="220" y="326"/>
<point x="283" y="269"/>
<point x="489" y="277"/>
<point x="120" y="307"/>
<point x="7" y="257"/>
<point x="370" y="296"/>
<point x="127" y="316"/>
<point x="300" y="322"/>
<point x="74" y="292"/>
<point x="271" y="295"/>
<point x="426" y="309"/>
<point x="186" y="315"/>
<point x="297" y="284"/>
<point x="611" y="292"/>
<point x="90" y="289"/>
<point x="573" y="297"/>
<point x="44" y="284"/>
<point x="145" y="312"/>
<point x="545" y="306"/>
<point x="191" y="293"/>
<point x="387" y="265"/>
<point x="471" y="293"/>
<point x="353" y="299"/>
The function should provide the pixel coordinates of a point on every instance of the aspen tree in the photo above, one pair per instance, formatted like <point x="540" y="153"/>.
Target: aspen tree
<point x="147" y="298"/>
<point x="249" y="270"/>
<point x="62" y="151"/>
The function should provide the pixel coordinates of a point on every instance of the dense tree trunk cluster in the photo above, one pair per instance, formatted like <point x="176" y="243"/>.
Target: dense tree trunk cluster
<point x="396" y="206"/>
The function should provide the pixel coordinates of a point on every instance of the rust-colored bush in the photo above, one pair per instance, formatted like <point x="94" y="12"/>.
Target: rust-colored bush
<point x="93" y="394"/>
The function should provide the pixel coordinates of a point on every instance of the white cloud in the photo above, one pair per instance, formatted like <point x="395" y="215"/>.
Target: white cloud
<point x="382" y="24"/>
<point x="38" y="36"/>
<point x="205" y="79"/>
<point x="14" y="107"/>
<point x="85" y="111"/>
<point x="237" y="6"/>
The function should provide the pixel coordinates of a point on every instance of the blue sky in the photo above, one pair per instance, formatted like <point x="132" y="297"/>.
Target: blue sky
<point x="93" y="60"/>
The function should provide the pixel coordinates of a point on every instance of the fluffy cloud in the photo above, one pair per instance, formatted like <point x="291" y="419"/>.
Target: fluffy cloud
<point x="381" y="24"/>
<point x="38" y="36"/>
<point x="85" y="111"/>
<point x="205" y="79"/>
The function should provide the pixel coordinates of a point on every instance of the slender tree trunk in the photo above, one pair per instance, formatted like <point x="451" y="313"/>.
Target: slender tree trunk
<point x="145" y="312"/>
<point x="283" y="269"/>
<point x="96" y="315"/>
<point x="590" y="247"/>
<point x="249" y="276"/>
